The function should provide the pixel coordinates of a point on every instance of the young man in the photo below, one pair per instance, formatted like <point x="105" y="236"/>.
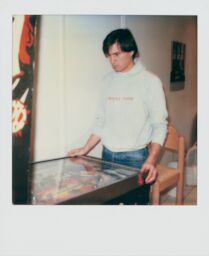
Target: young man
<point x="132" y="114"/>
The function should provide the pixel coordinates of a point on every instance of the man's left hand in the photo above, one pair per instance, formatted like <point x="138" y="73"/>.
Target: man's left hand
<point x="151" y="170"/>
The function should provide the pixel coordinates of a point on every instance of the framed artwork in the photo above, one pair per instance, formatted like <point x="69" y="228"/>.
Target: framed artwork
<point x="177" y="77"/>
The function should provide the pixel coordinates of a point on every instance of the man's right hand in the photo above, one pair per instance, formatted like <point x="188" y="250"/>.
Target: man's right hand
<point x="77" y="152"/>
<point x="90" y="144"/>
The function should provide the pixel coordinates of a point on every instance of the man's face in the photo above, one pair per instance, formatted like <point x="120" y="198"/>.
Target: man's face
<point x="120" y="61"/>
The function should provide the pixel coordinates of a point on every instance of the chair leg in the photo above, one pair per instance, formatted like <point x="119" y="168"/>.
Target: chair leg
<point x="155" y="194"/>
<point x="179" y="192"/>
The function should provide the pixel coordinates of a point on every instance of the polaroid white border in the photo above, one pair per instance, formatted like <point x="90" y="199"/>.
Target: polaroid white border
<point x="64" y="230"/>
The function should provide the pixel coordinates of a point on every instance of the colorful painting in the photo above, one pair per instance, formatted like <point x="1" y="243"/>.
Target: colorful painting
<point x="24" y="35"/>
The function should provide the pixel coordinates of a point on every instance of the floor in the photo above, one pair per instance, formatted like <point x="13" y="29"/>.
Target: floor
<point x="190" y="196"/>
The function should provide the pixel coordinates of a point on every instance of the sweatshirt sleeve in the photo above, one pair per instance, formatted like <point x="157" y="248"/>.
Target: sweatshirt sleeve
<point x="158" y="113"/>
<point x="99" y="120"/>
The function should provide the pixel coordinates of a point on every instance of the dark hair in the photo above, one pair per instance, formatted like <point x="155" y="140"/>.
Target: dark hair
<point x="124" y="38"/>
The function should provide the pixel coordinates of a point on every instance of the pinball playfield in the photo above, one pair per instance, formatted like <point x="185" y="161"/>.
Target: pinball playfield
<point x="78" y="181"/>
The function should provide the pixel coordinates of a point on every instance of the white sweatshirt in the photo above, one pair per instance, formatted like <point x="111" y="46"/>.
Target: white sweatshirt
<point x="133" y="110"/>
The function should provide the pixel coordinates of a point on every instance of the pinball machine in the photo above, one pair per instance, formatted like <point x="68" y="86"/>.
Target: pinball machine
<point x="78" y="181"/>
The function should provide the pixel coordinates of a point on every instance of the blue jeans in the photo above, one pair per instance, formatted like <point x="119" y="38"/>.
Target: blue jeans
<point x="130" y="158"/>
<point x="133" y="159"/>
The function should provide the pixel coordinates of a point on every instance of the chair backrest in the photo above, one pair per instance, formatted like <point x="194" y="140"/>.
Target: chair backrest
<point x="174" y="141"/>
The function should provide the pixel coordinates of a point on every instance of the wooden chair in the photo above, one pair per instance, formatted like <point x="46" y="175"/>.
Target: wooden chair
<point x="167" y="176"/>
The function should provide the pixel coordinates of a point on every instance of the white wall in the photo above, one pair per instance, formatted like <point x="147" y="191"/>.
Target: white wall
<point x="71" y="66"/>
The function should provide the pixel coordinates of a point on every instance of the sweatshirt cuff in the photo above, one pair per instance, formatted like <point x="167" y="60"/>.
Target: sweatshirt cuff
<point x="97" y="131"/>
<point x="159" y="135"/>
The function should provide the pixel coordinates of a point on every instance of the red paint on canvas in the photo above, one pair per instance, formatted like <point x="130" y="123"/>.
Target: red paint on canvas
<point x="27" y="40"/>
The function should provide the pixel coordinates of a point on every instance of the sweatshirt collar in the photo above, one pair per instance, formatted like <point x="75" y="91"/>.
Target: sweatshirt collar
<point x="136" y="69"/>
